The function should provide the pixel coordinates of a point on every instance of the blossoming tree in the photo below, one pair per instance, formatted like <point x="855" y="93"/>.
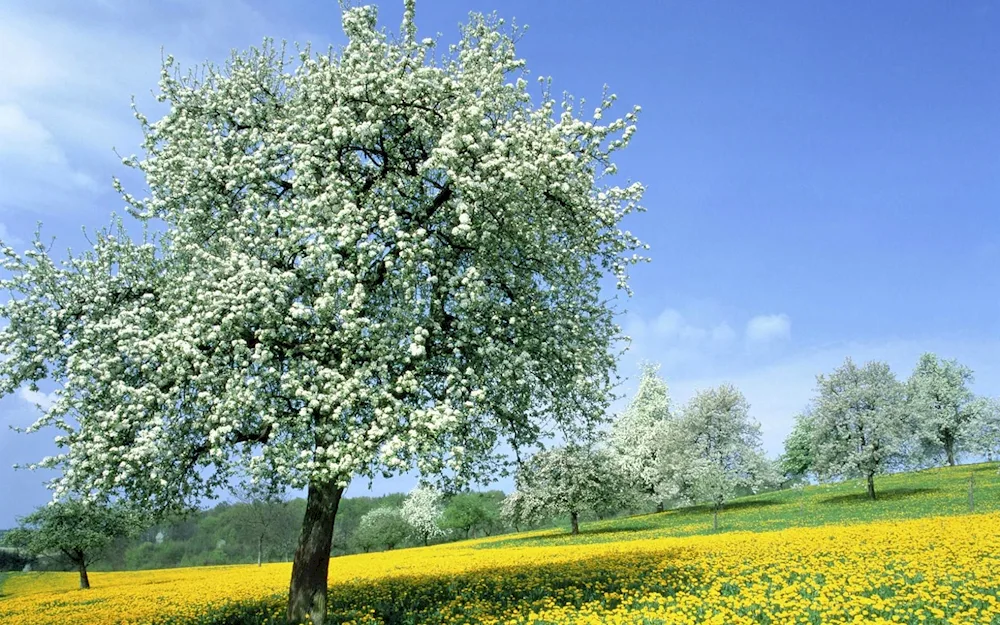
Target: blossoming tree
<point x="357" y="263"/>
<point x="859" y="422"/>
<point x="422" y="510"/>
<point x="568" y="480"/>
<point x="938" y="395"/>
<point x="714" y="449"/>
<point x="637" y="433"/>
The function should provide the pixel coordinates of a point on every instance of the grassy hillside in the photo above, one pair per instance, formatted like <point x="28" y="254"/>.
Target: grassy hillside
<point x="933" y="492"/>
<point x="816" y="555"/>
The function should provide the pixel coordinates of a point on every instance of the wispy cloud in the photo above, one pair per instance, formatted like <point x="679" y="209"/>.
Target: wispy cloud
<point x="765" y="329"/>
<point x="68" y="75"/>
<point x="27" y="145"/>
<point x="684" y="343"/>
<point x="38" y="398"/>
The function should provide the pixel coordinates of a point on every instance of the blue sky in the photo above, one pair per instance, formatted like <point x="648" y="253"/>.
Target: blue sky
<point x="823" y="179"/>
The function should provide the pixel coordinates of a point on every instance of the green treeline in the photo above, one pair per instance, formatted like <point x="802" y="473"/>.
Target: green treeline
<point x="227" y="534"/>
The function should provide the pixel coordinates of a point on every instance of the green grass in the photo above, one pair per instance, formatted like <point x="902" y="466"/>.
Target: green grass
<point x="932" y="492"/>
<point x="3" y="578"/>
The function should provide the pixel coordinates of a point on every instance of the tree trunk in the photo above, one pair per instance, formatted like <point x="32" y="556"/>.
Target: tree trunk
<point x="574" y="519"/>
<point x="84" y="578"/>
<point x="871" y="486"/>
<point x="307" y="591"/>
<point x="949" y="449"/>
<point x="659" y="506"/>
<point x="260" y="550"/>
<point x="715" y="517"/>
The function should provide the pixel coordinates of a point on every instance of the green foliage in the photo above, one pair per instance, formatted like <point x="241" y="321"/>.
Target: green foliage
<point x="797" y="461"/>
<point x="220" y="535"/>
<point x="472" y="512"/>
<point x="76" y="531"/>
<point x="382" y="527"/>
<point x="14" y="559"/>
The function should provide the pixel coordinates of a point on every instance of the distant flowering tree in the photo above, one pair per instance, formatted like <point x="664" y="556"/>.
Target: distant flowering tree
<point x="984" y="429"/>
<point x="569" y="480"/>
<point x="860" y="426"/>
<point x="422" y="510"/>
<point x="636" y="435"/>
<point x="945" y="408"/>
<point x="516" y="510"/>
<point x="75" y="531"/>
<point x="362" y="262"/>
<point x="714" y="449"/>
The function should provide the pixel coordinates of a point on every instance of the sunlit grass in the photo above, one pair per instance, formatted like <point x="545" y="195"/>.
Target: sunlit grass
<point x="816" y="555"/>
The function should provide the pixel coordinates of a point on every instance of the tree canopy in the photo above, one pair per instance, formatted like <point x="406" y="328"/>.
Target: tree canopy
<point x="944" y="406"/>
<point x="569" y="480"/>
<point x="797" y="461"/>
<point x="422" y="511"/>
<point x="714" y="449"/>
<point x="382" y="527"/>
<point x="77" y="531"/>
<point x="355" y="263"/>
<point x="860" y="424"/>
<point x="637" y="433"/>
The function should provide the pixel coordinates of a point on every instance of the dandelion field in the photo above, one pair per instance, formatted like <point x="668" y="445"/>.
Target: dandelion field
<point x="916" y="556"/>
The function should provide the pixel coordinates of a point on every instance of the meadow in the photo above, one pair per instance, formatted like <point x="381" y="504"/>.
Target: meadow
<point x="819" y="554"/>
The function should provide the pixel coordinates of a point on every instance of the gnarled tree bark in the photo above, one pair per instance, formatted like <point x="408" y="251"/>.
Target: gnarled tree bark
<point x="308" y="590"/>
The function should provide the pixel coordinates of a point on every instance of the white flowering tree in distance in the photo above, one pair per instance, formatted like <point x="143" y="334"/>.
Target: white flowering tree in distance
<point x="359" y="263"/>
<point x="422" y="510"/>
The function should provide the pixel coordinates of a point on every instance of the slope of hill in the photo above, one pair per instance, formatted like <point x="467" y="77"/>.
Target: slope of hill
<point x="931" y="492"/>
<point x="821" y="554"/>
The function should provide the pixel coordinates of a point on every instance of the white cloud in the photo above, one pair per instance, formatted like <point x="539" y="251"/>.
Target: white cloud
<point x="23" y="137"/>
<point x="765" y="329"/>
<point x="67" y="79"/>
<point x="28" y="150"/>
<point x="677" y="342"/>
<point x="27" y="144"/>
<point x="38" y="398"/>
<point x="8" y="239"/>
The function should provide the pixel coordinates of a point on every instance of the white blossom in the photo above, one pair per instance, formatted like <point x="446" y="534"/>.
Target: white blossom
<point x="859" y="423"/>
<point x="939" y="398"/>
<point x="568" y="480"/>
<point x="422" y="510"/>
<point x="713" y="449"/>
<point x="637" y="434"/>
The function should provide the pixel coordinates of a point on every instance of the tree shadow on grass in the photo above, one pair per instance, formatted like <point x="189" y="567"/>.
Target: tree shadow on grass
<point x="504" y="591"/>
<point x="639" y="523"/>
<point x="497" y="592"/>
<point x="889" y="494"/>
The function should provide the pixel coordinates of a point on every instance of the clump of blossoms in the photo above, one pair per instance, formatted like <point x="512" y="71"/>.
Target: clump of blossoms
<point x="569" y="480"/>
<point x="362" y="262"/>
<point x="637" y="434"/>
<point x="422" y="510"/>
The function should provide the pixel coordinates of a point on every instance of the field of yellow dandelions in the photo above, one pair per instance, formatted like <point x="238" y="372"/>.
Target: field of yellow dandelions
<point x="922" y="571"/>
